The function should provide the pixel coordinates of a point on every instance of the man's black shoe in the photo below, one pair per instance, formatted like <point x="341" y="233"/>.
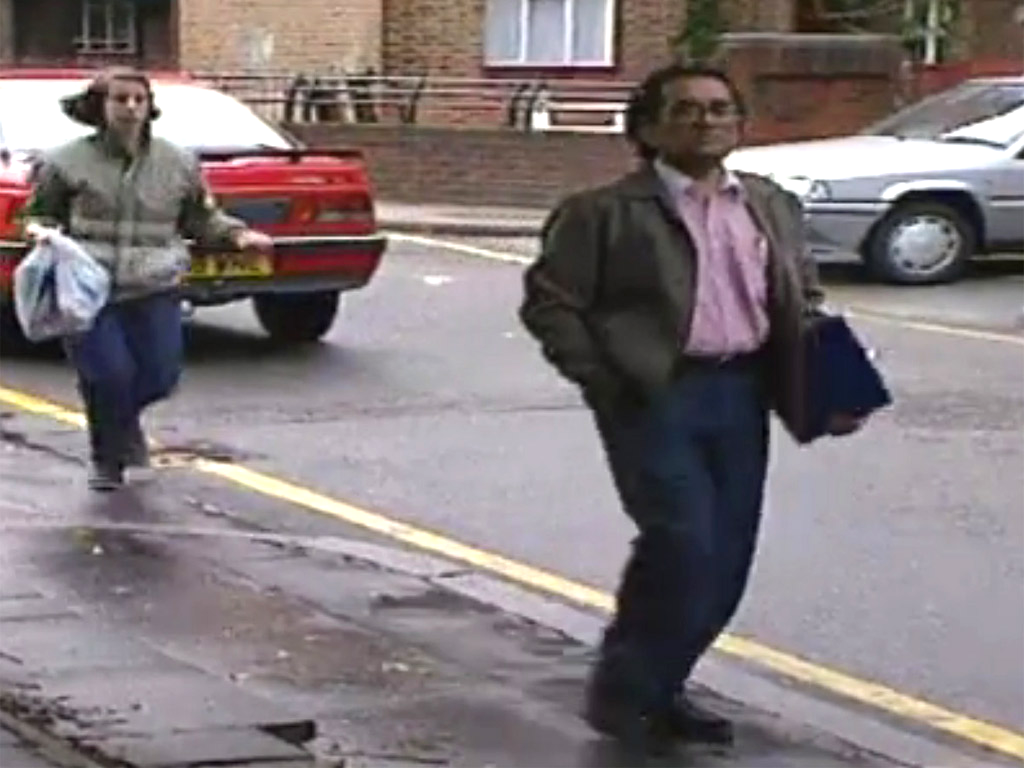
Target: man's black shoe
<point x="690" y="722"/>
<point x="634" y="732"/>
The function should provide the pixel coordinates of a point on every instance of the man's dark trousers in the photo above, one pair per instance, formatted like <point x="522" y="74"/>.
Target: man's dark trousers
<point x="690" y="470"/>
<point x="129" y="359"/>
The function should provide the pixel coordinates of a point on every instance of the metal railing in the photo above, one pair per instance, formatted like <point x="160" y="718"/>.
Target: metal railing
<point x="529" y="105"/>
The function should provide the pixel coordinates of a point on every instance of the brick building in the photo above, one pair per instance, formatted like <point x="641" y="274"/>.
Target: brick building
<point x="477" y="38"/>
<point x="800" y="86"/>
<point x="616" y="38"/>
<point x="994" y="29"/>
<point x="194" y="34"/>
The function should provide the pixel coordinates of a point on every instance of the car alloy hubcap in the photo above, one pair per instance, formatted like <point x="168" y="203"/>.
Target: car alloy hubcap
<point x="924" y="245"/>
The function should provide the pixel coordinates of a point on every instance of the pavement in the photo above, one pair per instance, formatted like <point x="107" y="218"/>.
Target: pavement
<point x="440" y="219"/>
<point x="154" y="627"/>
<point x="193" y="620"/>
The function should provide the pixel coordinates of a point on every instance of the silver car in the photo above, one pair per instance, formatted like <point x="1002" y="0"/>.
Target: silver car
<point x="920" y="193"/>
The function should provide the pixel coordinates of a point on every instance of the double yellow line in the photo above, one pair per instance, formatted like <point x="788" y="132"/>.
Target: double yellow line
<point x="866" y="692"/>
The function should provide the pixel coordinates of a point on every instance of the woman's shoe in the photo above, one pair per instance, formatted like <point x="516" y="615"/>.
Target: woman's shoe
<point x="136" y="453"/>
<point x="105" y="478"/>
<point x="137" y="460"/>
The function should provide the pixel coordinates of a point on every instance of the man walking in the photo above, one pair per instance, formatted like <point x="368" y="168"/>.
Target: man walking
<point x="676" y="299"/>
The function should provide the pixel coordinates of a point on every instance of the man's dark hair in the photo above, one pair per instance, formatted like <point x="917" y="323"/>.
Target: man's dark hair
<point x="648" y="100"/>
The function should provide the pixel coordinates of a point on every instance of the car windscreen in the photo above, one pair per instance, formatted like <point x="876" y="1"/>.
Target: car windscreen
<point x="195" y="117"/>
<point x="982" y="113"/>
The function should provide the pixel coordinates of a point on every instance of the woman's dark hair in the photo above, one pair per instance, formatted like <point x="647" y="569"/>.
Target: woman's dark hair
<point x="648" y="100"/>
<point x="87" y="107"/>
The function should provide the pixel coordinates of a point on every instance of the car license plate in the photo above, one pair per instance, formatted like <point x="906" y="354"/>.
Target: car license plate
<point x="230" y="265"/>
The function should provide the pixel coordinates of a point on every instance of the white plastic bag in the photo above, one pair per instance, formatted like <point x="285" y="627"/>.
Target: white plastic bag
<point x="58" y="288"/>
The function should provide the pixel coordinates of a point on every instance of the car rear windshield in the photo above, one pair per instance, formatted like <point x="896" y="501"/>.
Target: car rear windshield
<point x="192" y="116"/>
<point x="985" y="113"/>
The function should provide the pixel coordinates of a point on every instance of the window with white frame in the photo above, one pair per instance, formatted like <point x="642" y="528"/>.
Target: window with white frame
<point x="107" y="26"/>
<point x="576" y="33"/>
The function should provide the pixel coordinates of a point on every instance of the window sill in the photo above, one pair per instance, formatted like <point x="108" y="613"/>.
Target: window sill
<point x="548" y="69"/>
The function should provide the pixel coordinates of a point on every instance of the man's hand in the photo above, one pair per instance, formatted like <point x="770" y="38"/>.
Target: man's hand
<point x="840" y="424"/>
<point x="251" y="241"/>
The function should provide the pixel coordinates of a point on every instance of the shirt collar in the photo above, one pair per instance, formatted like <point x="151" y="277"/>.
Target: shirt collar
<point x="679" y="184"/>
<point x="113" y="146"/>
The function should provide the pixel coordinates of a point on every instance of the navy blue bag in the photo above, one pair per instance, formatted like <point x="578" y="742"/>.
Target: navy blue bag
<point x="840" y="378"/>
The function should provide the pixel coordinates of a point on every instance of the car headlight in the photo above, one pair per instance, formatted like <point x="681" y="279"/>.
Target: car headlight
<point x="808" y="190"/>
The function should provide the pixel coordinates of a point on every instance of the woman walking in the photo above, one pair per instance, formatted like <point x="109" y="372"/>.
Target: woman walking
<point x="129" y="199"/>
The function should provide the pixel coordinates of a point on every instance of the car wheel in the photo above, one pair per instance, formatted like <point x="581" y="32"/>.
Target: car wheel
<point x="297" y="317"/>
<point x="12" y="339"/>
<point x="921" y="243"/>
<point x="14" y="344"/>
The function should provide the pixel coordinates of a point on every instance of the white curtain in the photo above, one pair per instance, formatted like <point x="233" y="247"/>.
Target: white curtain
<point x="590" y="31"/>
<point x="503" y="31"/>
<point x="545" y="36"/>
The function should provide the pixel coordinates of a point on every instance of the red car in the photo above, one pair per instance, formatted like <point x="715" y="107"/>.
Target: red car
<point x="317" y="204"/>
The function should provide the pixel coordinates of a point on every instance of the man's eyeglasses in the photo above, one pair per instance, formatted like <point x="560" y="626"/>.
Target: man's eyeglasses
<point x="719" y="110"/>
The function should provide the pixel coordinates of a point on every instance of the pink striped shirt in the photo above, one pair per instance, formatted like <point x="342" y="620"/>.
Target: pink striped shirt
<point x="730" y="312"/>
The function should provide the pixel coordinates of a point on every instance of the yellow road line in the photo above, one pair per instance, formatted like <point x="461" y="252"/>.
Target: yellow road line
<point x="36" y="405"/>
<point x="866" y="692"/>
<point x="944" y="329"/>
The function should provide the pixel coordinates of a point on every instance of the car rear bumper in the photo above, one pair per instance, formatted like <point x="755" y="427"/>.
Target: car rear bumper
<point x="840" y="226"/>
<point x="300" y="264"/>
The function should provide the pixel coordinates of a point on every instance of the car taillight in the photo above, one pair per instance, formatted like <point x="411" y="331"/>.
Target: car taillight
<point x="331" y="214"/>
<point x="348" y="208"/>
<point x="10" y="223"/>
<point x="304" y="210"/>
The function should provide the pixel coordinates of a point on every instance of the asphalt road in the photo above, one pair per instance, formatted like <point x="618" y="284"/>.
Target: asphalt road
<point x="896" y="556"/>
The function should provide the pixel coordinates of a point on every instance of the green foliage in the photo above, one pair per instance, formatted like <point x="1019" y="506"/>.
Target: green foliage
<point x="853" y="10"/>
<point x="914" y="26"/>
<point x="910" y="19"/>
<point x="699" y="39"/>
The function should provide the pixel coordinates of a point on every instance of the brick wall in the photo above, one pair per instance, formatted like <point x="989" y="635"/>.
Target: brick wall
<point x="446" y="37"/>
<point x="311" y="35"/>
<point x="810" y="86"/>
<point x="645" y="31"/>
<point x="799" y="88"/>
<point x="764" y="16"/>
<point x="477" y="166"/>
<point x="438" y="36"/>
<point x="991" y="31"/>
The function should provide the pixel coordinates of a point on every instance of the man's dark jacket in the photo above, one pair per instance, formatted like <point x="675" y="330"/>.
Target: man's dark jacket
<point x="611" y="297"/>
